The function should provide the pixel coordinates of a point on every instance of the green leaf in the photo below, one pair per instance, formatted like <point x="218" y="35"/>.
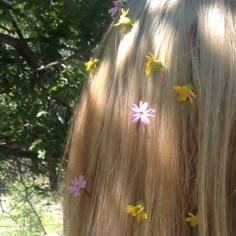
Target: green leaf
<point x="35" y="144"/>
<point x="189" y="85"/>
<point x="41" y="113"/>
<point x="140" y="203"/>
<point x="53" y="89"/>
<point x="41" y="154"/>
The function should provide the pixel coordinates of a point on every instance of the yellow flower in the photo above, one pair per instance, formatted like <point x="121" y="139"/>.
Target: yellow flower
<point x="124" y="20"/>
<point x="137" y="211"/>
<point x="152" y="65"/>
<point x="185" y="92"/>
<point x="91" y="66"/>
<point x="192" y="219"/>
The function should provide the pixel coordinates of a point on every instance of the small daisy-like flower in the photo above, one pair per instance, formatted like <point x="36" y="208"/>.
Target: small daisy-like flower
<point x="192" y="219"/>
<point x="137" y="211"/>
<point x="152" y="65"/>
<point x="185" y="92"/>
<point x="118" y="6"/>
<point x="77" y="184"/>
<point x="91" y="66"/>
<point x="124" y="20"/>
<point x="142" y="113"/>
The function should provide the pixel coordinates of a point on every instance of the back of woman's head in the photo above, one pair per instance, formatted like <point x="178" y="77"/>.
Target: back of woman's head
<point x="185" y="159"/>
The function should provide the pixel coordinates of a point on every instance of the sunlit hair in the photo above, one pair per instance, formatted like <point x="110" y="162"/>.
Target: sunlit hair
<point x="185" y="159"/>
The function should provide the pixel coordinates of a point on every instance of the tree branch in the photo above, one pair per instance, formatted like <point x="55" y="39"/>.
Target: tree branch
<point x="13" y="21"/>
<point x="10" y="40"/>
<point x="6" y="29"/>
<point x="7" y="213"/>
<point x="9" y="60"/>
<point x="23" y="49"/>
<point x="76" y="56"/>
<point x="12" y="151"/>
<point x="30" y="204"/>
<point x="59" y="62"/>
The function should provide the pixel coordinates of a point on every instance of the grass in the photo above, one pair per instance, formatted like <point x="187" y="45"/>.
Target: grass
<point x="18" y="219"/>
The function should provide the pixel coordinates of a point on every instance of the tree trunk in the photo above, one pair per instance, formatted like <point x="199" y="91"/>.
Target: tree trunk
<point x="52" y="174"/>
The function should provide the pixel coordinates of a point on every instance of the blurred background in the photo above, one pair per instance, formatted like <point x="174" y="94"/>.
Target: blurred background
<point x="43" y="47"/>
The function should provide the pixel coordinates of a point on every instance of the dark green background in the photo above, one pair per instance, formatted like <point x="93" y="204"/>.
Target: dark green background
<point x="36" y="105"/>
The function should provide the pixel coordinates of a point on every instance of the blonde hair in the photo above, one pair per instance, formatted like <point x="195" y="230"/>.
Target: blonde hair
<point x="184" y="160"/>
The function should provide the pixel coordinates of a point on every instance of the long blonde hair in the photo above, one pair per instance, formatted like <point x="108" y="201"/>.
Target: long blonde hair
<point x="184" y="160"/>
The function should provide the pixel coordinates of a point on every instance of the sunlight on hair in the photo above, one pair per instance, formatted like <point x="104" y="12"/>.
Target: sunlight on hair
<point x="165" y="153"/>
<point x="98" y="85"/>
<point x="159" y="4"/>
<point x="160" y="47"/>
<point x="215" y="22"/>
<point x="126" y="46"/>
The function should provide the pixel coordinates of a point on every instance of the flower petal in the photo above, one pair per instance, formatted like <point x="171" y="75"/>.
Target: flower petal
<point x="71" y="189"/>
<point x="143" y="107"/>
<point x="142" y="113"/>
<point x="135" y="115"/>
<point x="177" y="88"/>
<point x="113" y="11"/>
<point x="135" y="108"/>
<point x="81" y="178"/>
<point x="145" y="120"/>
<point x="150" y="112"/>
<point x="136" y="119"/>
<point x="75" y="181"/>
<point x="140" y="103"/>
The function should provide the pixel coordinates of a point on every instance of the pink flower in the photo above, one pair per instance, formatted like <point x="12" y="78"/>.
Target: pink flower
<point x="118" y="5"/>
<point x="141" y="113"/>
<point x="77" y="184"/>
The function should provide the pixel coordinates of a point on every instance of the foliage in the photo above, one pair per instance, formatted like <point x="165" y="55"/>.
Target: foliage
<point x="43" y="47"/>
<point x="25" y="211"/>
